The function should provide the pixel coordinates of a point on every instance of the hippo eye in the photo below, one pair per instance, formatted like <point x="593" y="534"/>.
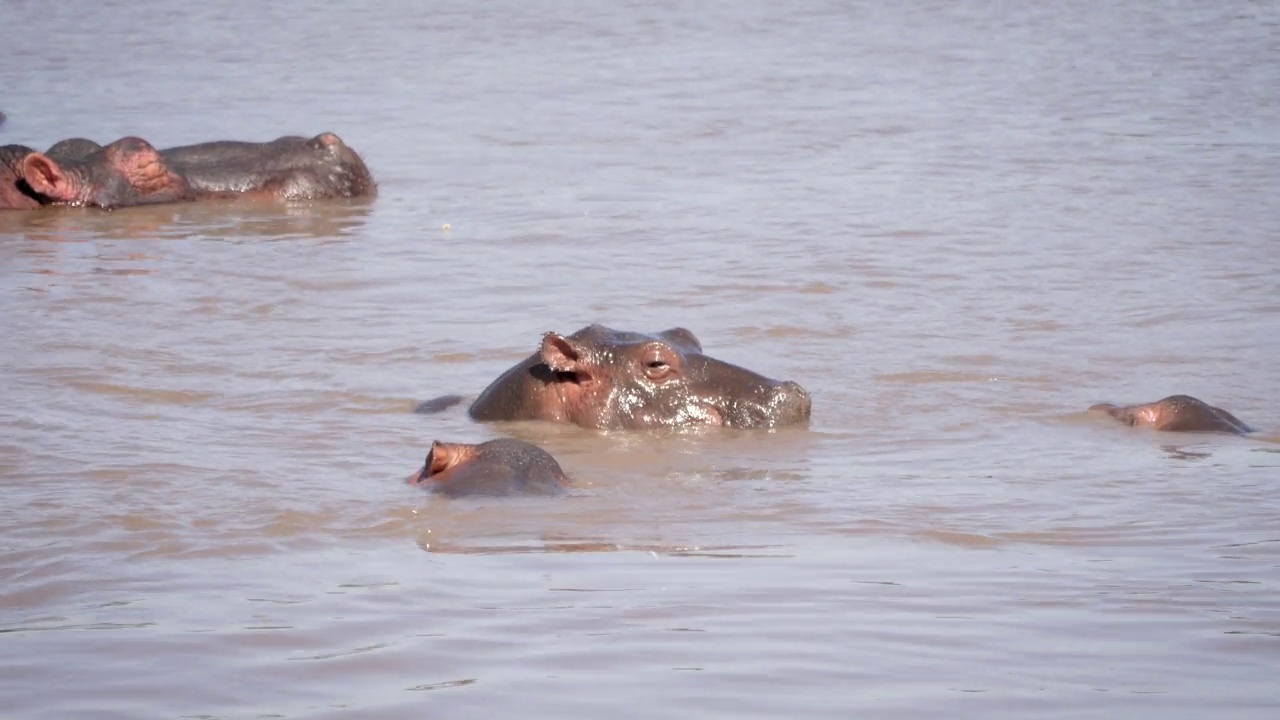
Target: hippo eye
<point x="657" y="368"/>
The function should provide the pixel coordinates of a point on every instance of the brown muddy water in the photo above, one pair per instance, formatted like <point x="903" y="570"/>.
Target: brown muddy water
<point x="957" y="224"/>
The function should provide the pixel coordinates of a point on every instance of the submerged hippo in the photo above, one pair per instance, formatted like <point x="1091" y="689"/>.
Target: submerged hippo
<point x="610" y="380"/>
<point x="1176" y="413"/>
<point x="130" y="172"/>
<point x="496" y="467"/>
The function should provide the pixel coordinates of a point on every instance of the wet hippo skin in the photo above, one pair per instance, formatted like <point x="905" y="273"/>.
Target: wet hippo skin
<point x="497" y="467"/>
<point x="290" y="167"/>
<point x="610" y="379"/>
<point x="1176" y="413"/>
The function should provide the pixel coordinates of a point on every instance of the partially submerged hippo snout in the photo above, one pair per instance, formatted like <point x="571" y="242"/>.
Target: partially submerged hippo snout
<point x="777" y="404"/>
<point x="610" y="379"/>
<point x="1176" y="413"/>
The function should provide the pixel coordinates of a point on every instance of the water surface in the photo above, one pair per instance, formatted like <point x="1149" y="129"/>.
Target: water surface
<point x="957" y="224"/>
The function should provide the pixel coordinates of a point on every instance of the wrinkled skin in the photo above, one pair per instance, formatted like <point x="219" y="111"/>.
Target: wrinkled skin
<point x="293" y="168"/>
<point x="497" y="467"/>
<point x="1176" y="413"/>
<point x="131" y="172"/>
<point x="612" y="380"/>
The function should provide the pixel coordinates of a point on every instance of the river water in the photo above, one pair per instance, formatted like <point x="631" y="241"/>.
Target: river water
<point x="956" y="224"/>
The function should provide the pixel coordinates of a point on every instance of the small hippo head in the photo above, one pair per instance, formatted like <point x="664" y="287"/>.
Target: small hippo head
<point x="127" y="172"/>
<point x="498" y="467"/>
<point x="1176" y="413"/>
<point x="608" y="379"/>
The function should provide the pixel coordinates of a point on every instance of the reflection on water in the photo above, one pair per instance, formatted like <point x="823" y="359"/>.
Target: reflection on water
<point x="957" y="225"/>
<point x="236" y="219"/>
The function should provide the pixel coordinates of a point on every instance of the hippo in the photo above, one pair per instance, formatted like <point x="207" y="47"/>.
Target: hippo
<point x="130" y="171"/>
<point x="496" y="467"/>
<point x="613" y="380"/>
<point x="1176" y="413"/>
<point x="291" y="168"/>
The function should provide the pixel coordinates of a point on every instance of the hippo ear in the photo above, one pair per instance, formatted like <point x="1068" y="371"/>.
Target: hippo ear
<point x="681" y="337"/>
<point x="441" y="458"/>
<point x="560" y="354"/>
<point x="47" y="178"/>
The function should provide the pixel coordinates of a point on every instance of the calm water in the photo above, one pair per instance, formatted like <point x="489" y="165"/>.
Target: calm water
<point x="957" y="224"/>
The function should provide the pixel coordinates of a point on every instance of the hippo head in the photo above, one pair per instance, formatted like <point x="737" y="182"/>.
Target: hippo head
<point x="608" y="379"/>
<point x="127" y="172"/>
<point x="1176" y="413"/>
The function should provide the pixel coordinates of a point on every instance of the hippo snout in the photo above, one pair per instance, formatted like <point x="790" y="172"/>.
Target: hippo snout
<point x="776" y="405"/>
<point x="791" y="404"/>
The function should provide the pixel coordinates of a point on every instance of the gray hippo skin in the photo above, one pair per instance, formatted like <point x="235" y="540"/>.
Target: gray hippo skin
<point x="72" y="150"/>
<point x="291" y="167"/>
<point x="1176" y="413"/>
<point x="613" y="380"/>
<point x="497" y="467"/>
